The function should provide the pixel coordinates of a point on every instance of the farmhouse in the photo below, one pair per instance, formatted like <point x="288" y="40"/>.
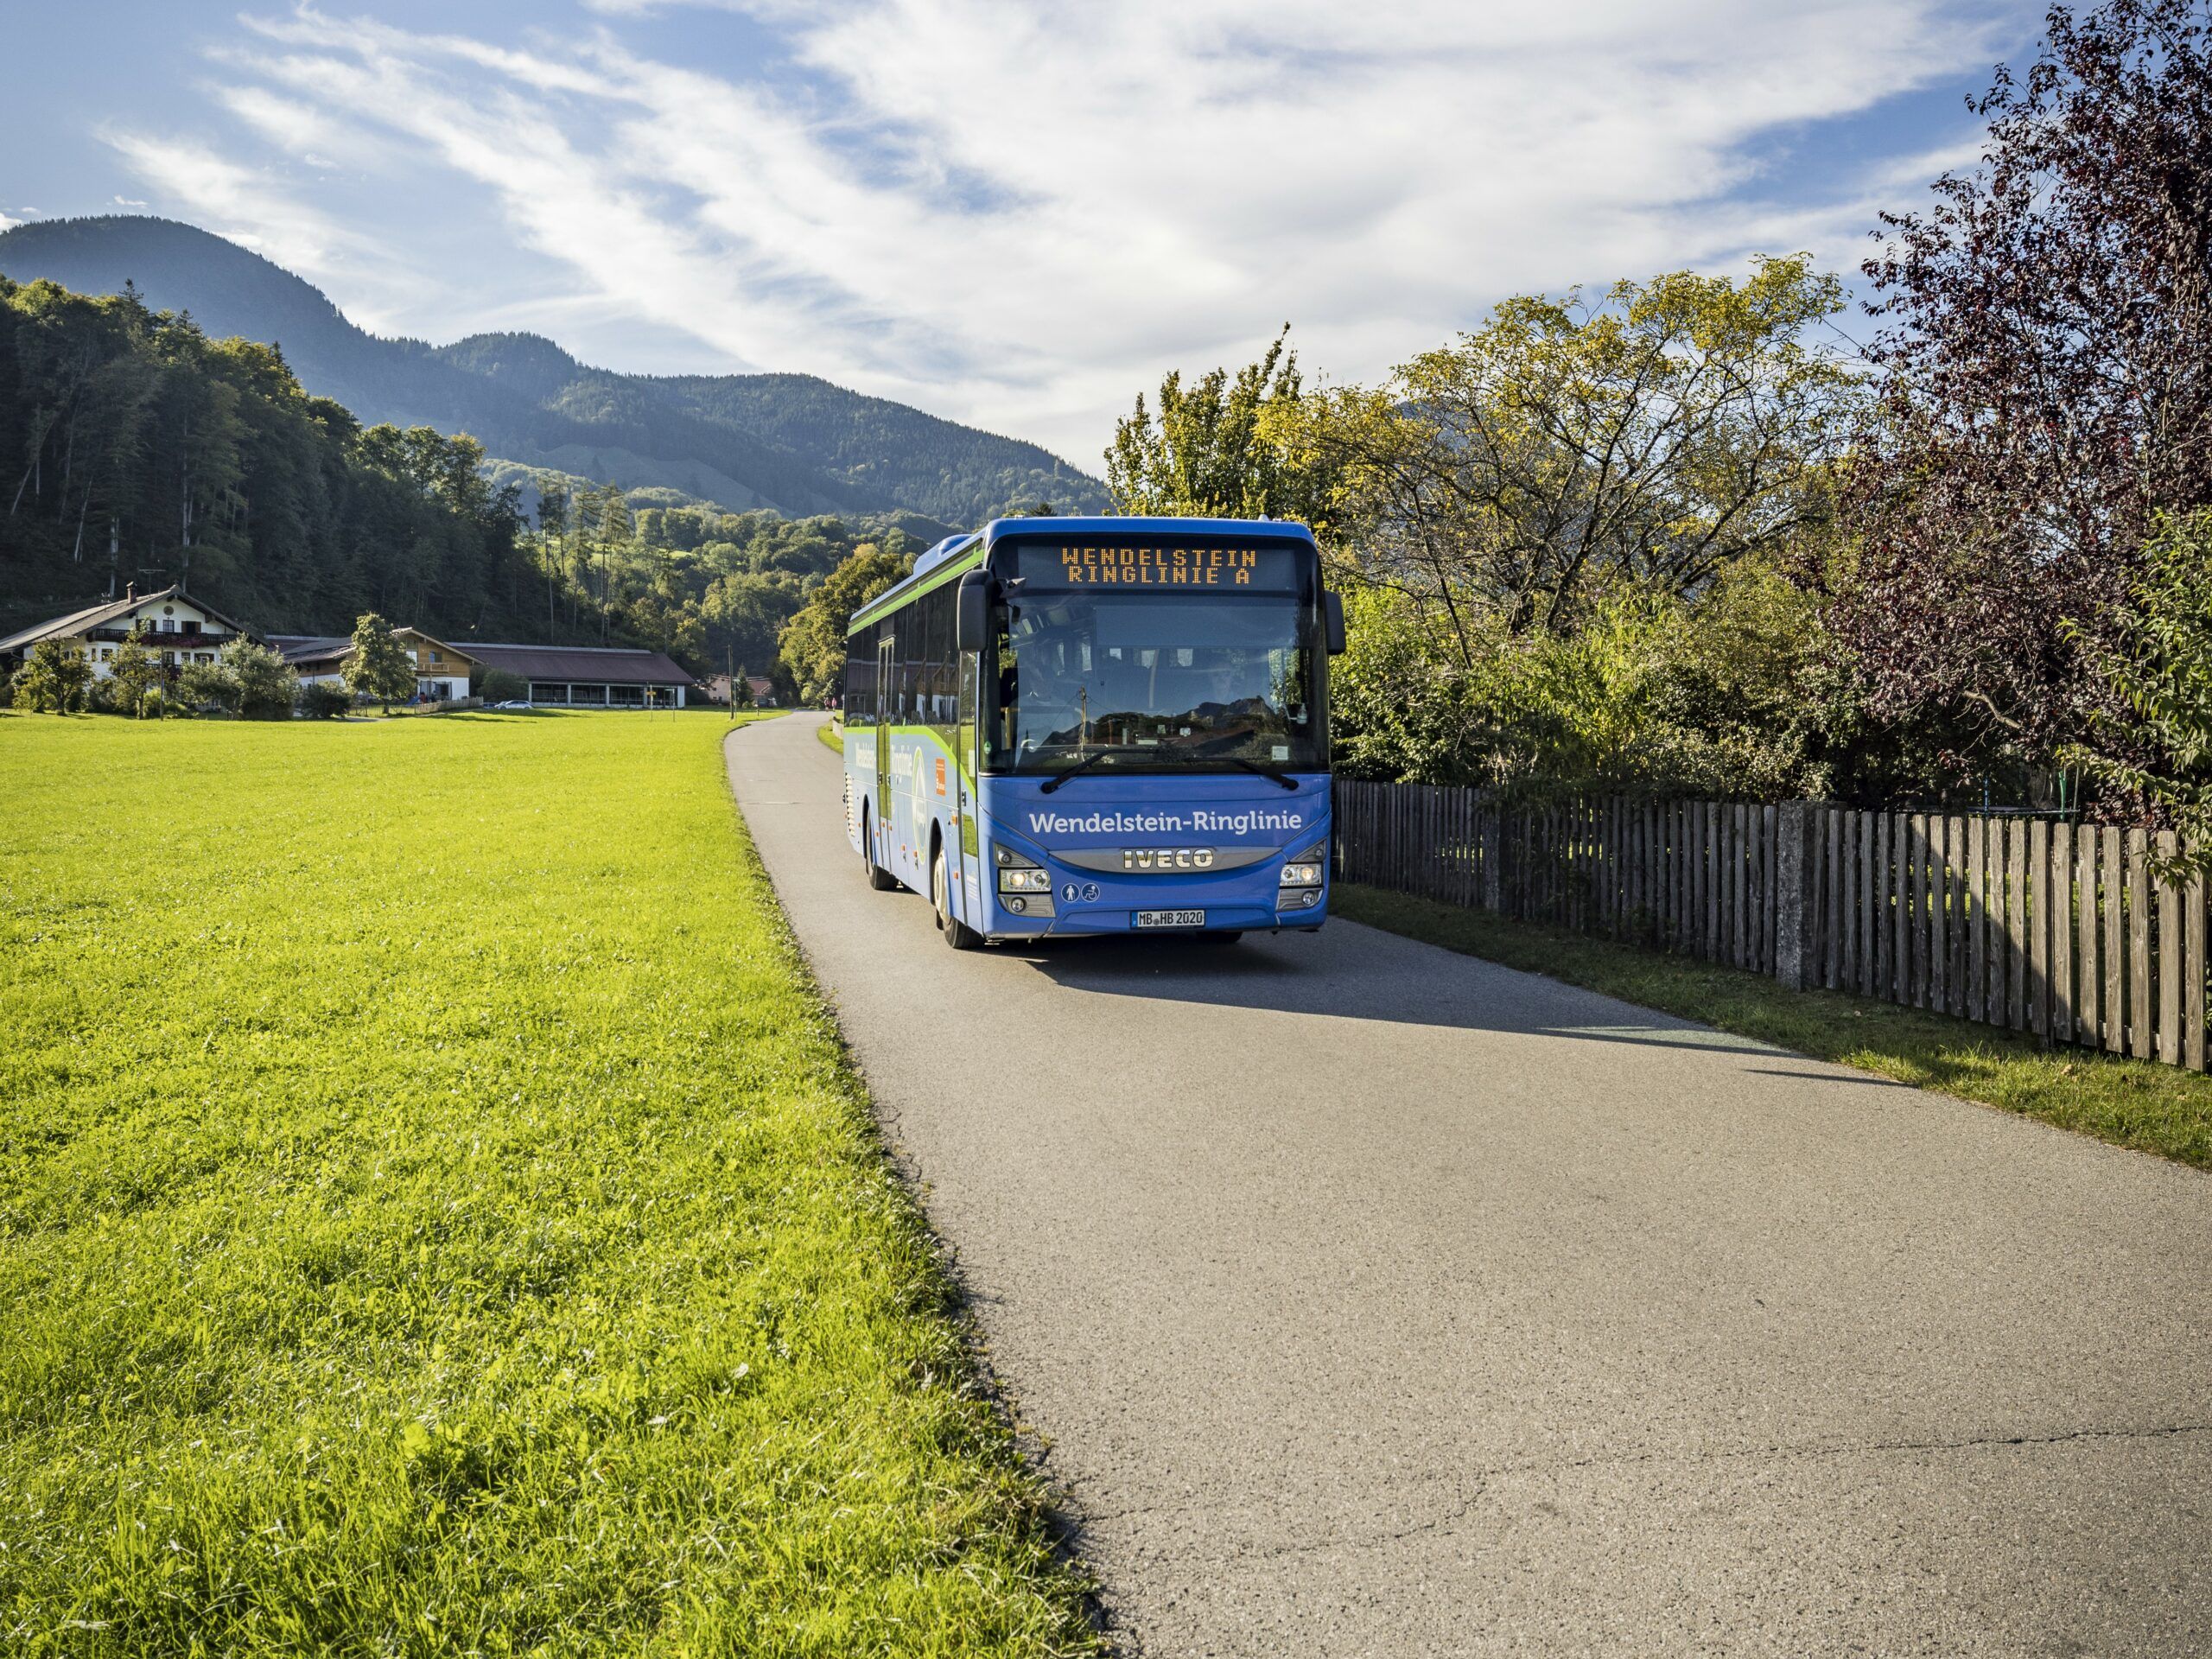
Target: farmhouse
<point x="179" y="628"/>
<point x="763" y="688"/>
<point x="440" y="670"/>
<point x="591" y="677"/>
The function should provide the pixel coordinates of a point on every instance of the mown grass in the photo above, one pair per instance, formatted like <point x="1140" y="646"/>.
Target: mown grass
<point x="437" y="1216"/>
<point x="832" y="734"/>
<point x="2157" y="1109"/>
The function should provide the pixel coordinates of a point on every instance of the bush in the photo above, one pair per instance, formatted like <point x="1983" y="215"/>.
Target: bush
<point x="321" y="700"/>
<point x="501" y="685"/>
<point x="269" y="687"/>
<point x="202" y="686"/>
<point x="53" y="678"/>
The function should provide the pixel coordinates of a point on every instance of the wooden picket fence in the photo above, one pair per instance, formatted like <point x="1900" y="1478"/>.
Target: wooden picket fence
<point x="2051" y="928"/>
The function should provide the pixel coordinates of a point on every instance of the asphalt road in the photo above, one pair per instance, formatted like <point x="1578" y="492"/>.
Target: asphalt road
<point x="1377" y="1300"/>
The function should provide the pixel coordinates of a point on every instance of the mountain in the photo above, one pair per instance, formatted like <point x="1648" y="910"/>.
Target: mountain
<point x="791" y="443"/>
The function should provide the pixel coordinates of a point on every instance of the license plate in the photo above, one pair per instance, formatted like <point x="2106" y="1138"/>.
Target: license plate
<point x="1171" y="918"/>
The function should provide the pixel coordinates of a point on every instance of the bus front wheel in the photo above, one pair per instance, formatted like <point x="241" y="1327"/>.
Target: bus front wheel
<point x="957" y="933"/>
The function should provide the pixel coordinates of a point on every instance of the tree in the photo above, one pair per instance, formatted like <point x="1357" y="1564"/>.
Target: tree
<point x="812" y="645"/>
<point x="269" y="687"/>
<point x="1652" y="437"/>
<point x="52" y="678"/>
<point x="380" y="667"/>
<point x="2156" y="654"/>
<point x="133" y="674"/>
<point x="1210" y="451"/>
<point x="2048" y="359"/>
<point x="741" y="688"/>
<point x="200" y="685"/>
<point x="502" y="685"/>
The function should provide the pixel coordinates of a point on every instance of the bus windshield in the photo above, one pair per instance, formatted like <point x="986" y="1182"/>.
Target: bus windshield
<point x="1155" y="682"/>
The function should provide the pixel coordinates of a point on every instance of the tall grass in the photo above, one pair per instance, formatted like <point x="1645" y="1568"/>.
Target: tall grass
<point x="436" y="1216"/>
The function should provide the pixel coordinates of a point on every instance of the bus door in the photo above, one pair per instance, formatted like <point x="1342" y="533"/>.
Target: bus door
<point x="886" y="706"/>
<point x="967" y="768"/>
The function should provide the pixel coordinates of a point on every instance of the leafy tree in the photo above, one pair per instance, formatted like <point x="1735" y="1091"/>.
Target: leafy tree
<point x="813" y="646"/>
<point x="2048" y="354"/>
<point x="269" y="687"/>
<point x="501" y="685"/>
<point x="199" y="685"/>
<point x="52" y="678"/>
<point x="1652" y="437"/>
<point x="740" y="689"/>
<point x="1209" y="451"/>
<point x="380" y="667"/>
<point x="133" y="674"/>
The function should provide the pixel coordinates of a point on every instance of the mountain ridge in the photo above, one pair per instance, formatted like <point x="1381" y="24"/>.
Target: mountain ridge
<point x="786" y="441"/>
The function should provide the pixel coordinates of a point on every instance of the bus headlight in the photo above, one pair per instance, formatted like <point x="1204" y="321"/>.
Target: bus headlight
<point x="1019" y="874"/>
<point x="1303" y="872"/>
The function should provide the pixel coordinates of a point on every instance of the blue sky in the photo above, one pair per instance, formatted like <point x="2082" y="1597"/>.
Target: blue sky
<point x="1014" y="214"/>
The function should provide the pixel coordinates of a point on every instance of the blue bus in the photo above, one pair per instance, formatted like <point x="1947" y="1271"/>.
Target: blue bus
<point x="1087" y="726"/>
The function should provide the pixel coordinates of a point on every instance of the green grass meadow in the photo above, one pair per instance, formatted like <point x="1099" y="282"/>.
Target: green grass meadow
<point x="437" y="1216"/>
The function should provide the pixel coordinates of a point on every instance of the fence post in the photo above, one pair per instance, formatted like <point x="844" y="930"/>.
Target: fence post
<point x="1793" y="896"/>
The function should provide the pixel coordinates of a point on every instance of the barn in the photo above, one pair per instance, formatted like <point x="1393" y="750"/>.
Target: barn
<point x="589" y="677"/>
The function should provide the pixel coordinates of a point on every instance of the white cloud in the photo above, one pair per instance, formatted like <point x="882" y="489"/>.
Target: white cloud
<point x="126" y="201"/>
<point x="1018" y="214"/>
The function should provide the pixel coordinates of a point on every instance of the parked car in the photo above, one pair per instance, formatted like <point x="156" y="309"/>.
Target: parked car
<point x="512" y="702"/>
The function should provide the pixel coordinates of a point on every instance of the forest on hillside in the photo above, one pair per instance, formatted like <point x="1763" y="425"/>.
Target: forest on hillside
<point x="139" y="450"/>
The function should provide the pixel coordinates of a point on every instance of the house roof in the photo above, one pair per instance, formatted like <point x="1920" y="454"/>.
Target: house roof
<point x="591" y="665"/>
<point x="93" y="616"/>
<point x="297" y="648"/>
<point x="301" y="648"/>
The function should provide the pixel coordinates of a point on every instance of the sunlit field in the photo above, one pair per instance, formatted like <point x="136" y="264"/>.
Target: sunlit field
<point x="437" y="1216"/>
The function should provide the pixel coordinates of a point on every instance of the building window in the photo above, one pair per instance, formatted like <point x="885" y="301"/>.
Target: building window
<point x="168" y="625"/>
<point x="203" y="656"/>
<point x="107" y="653"/>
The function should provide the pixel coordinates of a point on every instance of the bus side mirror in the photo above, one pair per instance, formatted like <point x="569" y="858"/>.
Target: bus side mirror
<point x="971" y="621"/>
<point x="1332" y="622"/>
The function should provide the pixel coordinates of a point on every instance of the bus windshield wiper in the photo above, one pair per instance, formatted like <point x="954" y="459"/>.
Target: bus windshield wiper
<point x="1259" y="770"/>
<point x="1083" y="765"/>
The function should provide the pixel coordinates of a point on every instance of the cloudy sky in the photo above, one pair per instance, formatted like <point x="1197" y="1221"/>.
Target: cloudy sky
<point x="1014" y="214"/>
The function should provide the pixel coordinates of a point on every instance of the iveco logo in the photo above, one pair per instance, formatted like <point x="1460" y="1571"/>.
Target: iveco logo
<point x="1168" y="858"/>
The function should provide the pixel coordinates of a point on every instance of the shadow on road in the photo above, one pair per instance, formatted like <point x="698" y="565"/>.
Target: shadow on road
<point x="1352" y="973"/>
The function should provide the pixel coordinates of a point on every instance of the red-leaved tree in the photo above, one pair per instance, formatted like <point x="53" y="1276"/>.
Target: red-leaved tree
<point x="2048" y="359"/>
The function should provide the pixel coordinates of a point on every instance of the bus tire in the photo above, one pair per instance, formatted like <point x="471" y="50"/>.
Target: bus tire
<point x="878" y="878"/>
<point x="957" y="933"/>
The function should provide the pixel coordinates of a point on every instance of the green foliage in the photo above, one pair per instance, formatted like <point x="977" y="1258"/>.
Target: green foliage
<point x="134" y="676"/>
<point x="2158" y="759"/>
<point x="269" y="687"/>
<point x="1211" y="451"/>
<point x="52" y="679"/>
<point x="813" y="647"/>
<point x="1725" y="695"/>
<point x="380" y="669"/>
<point x="321" y="700"/>
<point x="500" y="685"/>
<point x="200" y="686"/>
<point x="437" y="1260"/>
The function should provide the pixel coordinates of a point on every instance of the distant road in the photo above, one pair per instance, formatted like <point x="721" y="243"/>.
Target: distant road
<point x="1377" y="1300"/>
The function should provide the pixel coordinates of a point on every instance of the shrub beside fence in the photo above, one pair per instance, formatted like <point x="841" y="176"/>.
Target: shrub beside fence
<point x="2055" y="929"/>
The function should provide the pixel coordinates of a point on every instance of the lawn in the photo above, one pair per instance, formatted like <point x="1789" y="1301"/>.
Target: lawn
<point x="436" y="1216"/>
<point x="2156" y="1108"/>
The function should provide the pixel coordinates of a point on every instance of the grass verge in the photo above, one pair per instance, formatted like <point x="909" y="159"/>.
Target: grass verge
<point x="832" y="736"/>
<point x="2157" y="1109"/>
<point x="436" y="1216"/>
